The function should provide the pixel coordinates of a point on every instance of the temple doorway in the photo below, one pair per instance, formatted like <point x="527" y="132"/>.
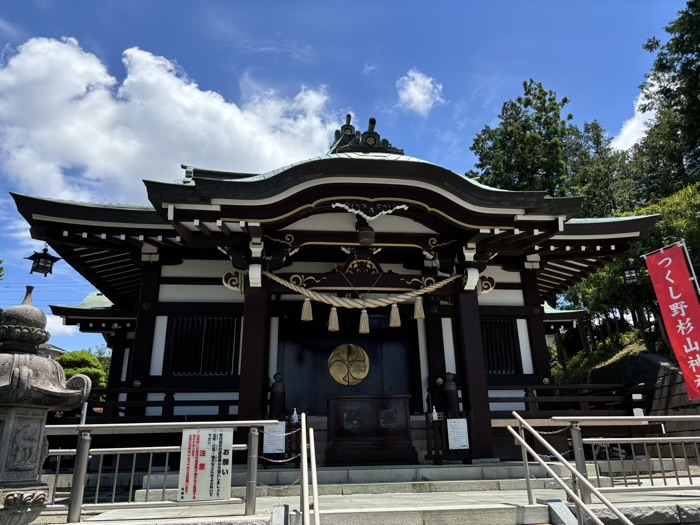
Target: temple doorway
<point x="305" y="348"/>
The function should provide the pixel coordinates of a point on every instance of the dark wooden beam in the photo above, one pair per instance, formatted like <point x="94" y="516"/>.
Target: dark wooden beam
<point x="202" y="227"/>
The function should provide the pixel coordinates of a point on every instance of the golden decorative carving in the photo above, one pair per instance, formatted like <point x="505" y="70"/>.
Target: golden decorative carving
<point x="300" y="279"/>
<point x="234" y="281"/>
<point x="363" y="266"/>
<point x="348" y="364"/>
<point x="434" y="243"/>
<point x="288" y="239"/>
<point x="486" y="285"/>
<point x="423" y="281"/>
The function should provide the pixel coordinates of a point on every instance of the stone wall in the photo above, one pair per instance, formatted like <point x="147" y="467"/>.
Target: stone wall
<point x="665" y="391"/>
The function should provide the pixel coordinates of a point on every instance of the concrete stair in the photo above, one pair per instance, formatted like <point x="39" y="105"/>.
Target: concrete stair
<point x="402" y="495"/>
<point x="410" y="479"/>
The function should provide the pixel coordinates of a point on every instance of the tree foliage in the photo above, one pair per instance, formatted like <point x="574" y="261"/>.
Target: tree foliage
<point x="672" y="86"/>
<point x="599" y="173"/>
<point x="2" y="270"/>
<point x="527" y="150"/>
<point x="83" y="362"/>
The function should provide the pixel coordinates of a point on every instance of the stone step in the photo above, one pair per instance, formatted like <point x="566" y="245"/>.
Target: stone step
<point x="395" y="474"/>
<point x="348" y="489"/>
<point x="399" y="513"/>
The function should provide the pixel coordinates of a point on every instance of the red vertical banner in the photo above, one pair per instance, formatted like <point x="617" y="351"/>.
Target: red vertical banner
<point x="678" y="301"/>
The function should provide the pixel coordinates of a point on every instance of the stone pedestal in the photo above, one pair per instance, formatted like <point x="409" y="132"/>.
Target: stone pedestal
<point x="30" y="386"/>
<point x="23" y="445"/>
<point x="22" y="504"/>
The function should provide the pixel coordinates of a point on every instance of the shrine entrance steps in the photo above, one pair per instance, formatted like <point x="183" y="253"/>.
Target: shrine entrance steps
<point x="456" y="494"/>
<point x="492" y="493"/>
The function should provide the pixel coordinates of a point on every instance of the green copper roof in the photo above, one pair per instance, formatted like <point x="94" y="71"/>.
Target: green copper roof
<point x="608" y="220"/>
<point x="550" y="310"/>
<point x="95" y="300"/>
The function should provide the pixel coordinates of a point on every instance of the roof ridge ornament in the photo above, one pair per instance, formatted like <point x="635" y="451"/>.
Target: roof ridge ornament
<point x="348" y="139"/>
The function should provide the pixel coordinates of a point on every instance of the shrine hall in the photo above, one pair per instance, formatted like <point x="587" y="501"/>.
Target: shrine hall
<point x="349" y="282"/>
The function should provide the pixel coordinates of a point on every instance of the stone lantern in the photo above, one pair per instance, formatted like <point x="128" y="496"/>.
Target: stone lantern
<point x="30" y="386"/>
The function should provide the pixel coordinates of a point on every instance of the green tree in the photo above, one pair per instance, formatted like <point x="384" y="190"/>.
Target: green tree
<point x="599" y="173"/>
<point x="672" y="86"/>
<point x="2" y="270"/>
<point x="83" y="362"/>
<point x="658" y="160"/>
<point x="104" y="356"/>
<point x="604" y="292"/>
<point x="527" y="150"/>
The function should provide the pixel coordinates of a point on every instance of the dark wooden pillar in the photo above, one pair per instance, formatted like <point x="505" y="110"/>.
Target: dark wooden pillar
<point x="115" y="371"/>
<point x="139" y="372"/>
<point x="472" y="372"/>
<point x="254" y="354"/>
<point x="535" y="324"/>
<point x="117" y="361"/>
<point x="145" y="325"/>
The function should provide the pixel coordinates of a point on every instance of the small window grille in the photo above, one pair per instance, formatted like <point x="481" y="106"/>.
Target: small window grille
<point x="501" y="346"/>
<point x="203" y="345"/>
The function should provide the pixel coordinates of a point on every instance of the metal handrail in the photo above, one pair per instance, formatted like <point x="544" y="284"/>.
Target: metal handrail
<point x="579" y="477"/>
<point x="628" y="441"/>
<point x="623" y="419"/>
<point x="150" y="428"/>
<point x="304" y="473"/>
<point x="84" y="451"/>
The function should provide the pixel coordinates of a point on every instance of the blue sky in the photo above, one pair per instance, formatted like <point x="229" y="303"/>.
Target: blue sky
<point x="96" y="96"/>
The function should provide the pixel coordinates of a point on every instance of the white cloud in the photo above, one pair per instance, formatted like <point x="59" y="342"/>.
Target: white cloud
<point x="419" y="92"/>
<point x="55" y="326"/>
<point x="68" y="129"/>
<point x="368" y="68"/>
<point x="634" y="128"/>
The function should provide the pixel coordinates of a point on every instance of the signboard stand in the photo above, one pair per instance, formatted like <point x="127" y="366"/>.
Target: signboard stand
<point x="457" y="434"/>
<point x="274" y="438"/>
<point x="205" y="464"/>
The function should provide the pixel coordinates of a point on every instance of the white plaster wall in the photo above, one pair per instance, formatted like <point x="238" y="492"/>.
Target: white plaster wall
<point x="125" y="364"/>
<point x="273" y="347"/>
<point x="423" y="359"/>
<point x="502" y="298"/>
<point x="500" y="275"/>
<point x="525" y="349"/>
<point x="158" y="352"/>
<point x="197" y="268"/>
<point x="204" y="410"/>
<point x="154" y="411"/>
<point x="448" y="344"/>
<point x="193" y="410"/>
<point x="346" y="221"/>
<point x="196" y="293"/>
<point x="507" y="405"/>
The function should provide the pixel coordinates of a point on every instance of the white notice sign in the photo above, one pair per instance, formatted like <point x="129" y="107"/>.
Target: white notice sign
<point x="273" y="439"/>
<point x="205" y="464"/>
<point x="457" y="434"/>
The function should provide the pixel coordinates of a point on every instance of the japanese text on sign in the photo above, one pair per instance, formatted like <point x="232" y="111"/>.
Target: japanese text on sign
<point x="678" y="300"/>
<point x="205" y="464"/>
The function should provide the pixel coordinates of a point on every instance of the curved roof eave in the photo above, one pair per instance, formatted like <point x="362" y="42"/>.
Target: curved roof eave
<point x="358" y="169"/>
<point x="28" y="207"/>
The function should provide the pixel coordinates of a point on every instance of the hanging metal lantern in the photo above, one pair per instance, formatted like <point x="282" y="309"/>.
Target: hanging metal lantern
<point x="43" y="261"/>
<point x="631" y="274"/>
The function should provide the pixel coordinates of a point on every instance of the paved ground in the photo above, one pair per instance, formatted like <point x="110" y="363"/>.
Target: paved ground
<point x="371" y="506"/>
